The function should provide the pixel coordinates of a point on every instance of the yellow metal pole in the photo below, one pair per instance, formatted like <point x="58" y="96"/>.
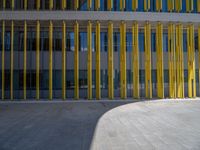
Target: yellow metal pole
<point x="50" y="59"/>
<point x="172" y="60"/>
<point x="64" y="60"/>
<point x="199" y="53"/>
<point x="38" y="60"/>
<point x="11" y="60"/>
<point x="110" y="61"/>
<point x="123" y="60"/>
<point x="158" y="5"/>
<point x="110" y="4"/>
<point x="178" y="5"/>
<point x="179" y="61"/>
<point x="159" y="52"/>
<point x="38" y="4"/>
<point x="63" y="4"/>
<point x="89" y="59"/>
<point x="191" y="61"/>
<point x="13" y="4"/>
<point x="198" y="6"/>
<point x="76" y="60"/>
<point x="25" y="4"/>
<point x="146" y="5"/>
<point x="134" y="5"/>
<point x="189" y="5"/>
<point x="89" y="4"/>
<point x="170" y="5"/>
<point x="3" y="59"/>
<point x="25" y="47"/>
<point x="98" y="62"/>
<point x="50" y="4"/>
<point x="4" y="4"/>
<point x="148" y="82"/>
<point x="122" y="4"/>
<point x="76" y="4"/>
<point x="97" y="4"/>
<point x="135" y="55"/>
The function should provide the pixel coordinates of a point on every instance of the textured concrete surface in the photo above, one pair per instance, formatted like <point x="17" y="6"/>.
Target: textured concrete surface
<point x="104" y="125"/>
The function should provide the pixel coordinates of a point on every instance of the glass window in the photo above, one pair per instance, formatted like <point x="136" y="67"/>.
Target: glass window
<point x="0" y="40"/>
<point x="185" y="75"/>
<point x="154" y="76"/>
<point x="31" y="4"/>
<point x="57" y="41"/>
<point x="70" y="79"/>
<point x="7" y="79"/>
<point x="129" y="41"/>
<point x="165" y="42"/>
<point x="1" y="4"/>
<point x="153" y="42"/>
<point x="8" y="4"/>
<point x="83" y="79"/>
<point x="128" y="5"/>
<point x="57" y="4"/>
<point x="116" y="79"/>
<point x="142" y="76"/>
<point x="93" y="41"/>
<point x="83" y="41"/>
<point x="140" y="5"/>
<point x="70" y="41"/>
<point x="116" y="41"/>
<point x="18" y="40"/>
<point x="141" y="41"/>
<point x="185" y="42"/>
<point x="7" y="41"/>
<point x="116" y="5"/>
<point x="195" y="6"/>
<point x="57" y="82"/>
<point x="44" y="41"/>
<point x="183" y="6"/>
<point x="44" y="4"/>
<point x="44" y="80"/>
<point x="165" y="5"/>
<point x="166" y="76"/>
<point x="83" y="5"/>
<point x="70" y="5"/>
<point x="104" y="79"/>
<point x="103" y="5"/>
<point x="153" y="5"/>
<point x="196" y="41"/>
<point x="104" y="41"/>
<point x="31" y="40"/>
<point x="19" y="4"/>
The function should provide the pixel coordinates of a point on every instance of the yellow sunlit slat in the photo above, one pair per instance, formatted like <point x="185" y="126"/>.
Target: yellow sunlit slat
<point x="199" y="53"/>
<point x="76" y="60"/>
<point x="134" y="5"/>
<point x="50" y="4"/>
<point x="50" y="60"/>
<point x="25" y="55"/>
<point x="191" y="61"/>
<point x="123" y="60"/>
<point x="4" y="4"/>
<point x="172" y="60"/>
<point x="135" y="55"/>
<point x="110" y="61"/>
<point x="110" y="4"/>
<point x="159" y="57"/>
<point x="98" y="62"/>
<point x="97" y="4"/>
<point x="122" y="4"/>
<point x="64" y="4"/>
<point x="159" y="5"/>
<point x="147" y="5"/>
<point x="38" y="4"/>
<point x="189" y="5"/>
<point x="76" y="4"/>
<point x="178" y="5"/>
<point x="89" y="59"/>
<point x="170" y="4"/>
<point x="179" y="61"/>
<point x="63" y="60"/>
<point x="198" y="6"/>
<point x="12" y="4"/>
<point x="147" y="40"/>
<point x="25" y="4"/>
<point x="89" y="4"/>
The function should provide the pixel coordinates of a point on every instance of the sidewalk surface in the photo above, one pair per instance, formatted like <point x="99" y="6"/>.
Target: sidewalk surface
<point x="100" y="125"/>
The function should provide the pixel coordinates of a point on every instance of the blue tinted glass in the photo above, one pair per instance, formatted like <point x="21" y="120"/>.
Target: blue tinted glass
<point x="153" y="5"/>
<point x="83" y="5"/>
<point x="164" y="5"/>
<point x="7" y="41"/>
<point x="185" y="42"/>
<point x="104" y="41"/>
<point x="129" y="41"/>
<point x="140" y="5"/>
<point x="128" y="5"/>
<point x="195" y="5"/>
<point x="82" y="41"/>
<point x="165" y="42"/>
<point x="153" y="42"/>
<point x="116" y="41"/>
<point x="103" y="5"/>
<point x="141" y="41"/>
<point x="183" y="6"/>
<point x="116" y="5"/>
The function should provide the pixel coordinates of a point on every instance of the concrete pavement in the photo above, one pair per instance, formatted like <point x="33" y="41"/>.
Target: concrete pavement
<point x="103" y="125"/>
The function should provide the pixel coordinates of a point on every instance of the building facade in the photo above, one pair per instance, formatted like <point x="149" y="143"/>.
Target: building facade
<point x="97" y="49"/>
